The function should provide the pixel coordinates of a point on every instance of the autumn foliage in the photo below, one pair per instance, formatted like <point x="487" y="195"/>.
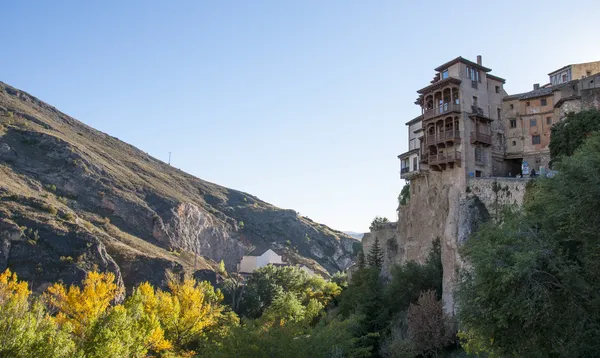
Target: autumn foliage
<point x="89" y="321"/>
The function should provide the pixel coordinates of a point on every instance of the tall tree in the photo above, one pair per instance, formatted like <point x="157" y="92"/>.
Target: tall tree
<point x="375" y="257"/>
<point x="569" y="134"/>
<point x="533" y="288"/>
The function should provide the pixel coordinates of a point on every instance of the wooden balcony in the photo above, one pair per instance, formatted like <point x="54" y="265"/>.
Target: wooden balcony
<point x="444" y="158"/>
<point x="443" y="109"/>
<point x="482" y="138"/>
<point x="443" y="137"/>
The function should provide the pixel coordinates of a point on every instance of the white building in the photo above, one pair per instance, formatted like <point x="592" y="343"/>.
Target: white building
<point x="258" y="258"/>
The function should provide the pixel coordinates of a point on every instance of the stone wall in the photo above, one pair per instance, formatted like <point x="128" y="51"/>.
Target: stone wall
<point x="496" y="193"/>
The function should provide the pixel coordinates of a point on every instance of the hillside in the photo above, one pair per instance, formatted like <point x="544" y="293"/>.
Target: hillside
<point x="73" y="198"/>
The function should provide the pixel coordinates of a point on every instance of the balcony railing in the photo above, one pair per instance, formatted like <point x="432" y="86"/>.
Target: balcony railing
<point x="478" y="137"/>
<point x="443" y="158"/>
<point x="444" y="108"/>
<point x="445" y="136"/>
<point x="404" y="170"/>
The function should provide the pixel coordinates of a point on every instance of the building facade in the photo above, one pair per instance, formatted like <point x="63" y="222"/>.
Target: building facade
<point x="459" y="122"/>
<point x="573" y="72"/>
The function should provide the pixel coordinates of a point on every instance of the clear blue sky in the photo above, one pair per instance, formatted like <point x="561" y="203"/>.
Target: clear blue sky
<point x="301" y="103"/>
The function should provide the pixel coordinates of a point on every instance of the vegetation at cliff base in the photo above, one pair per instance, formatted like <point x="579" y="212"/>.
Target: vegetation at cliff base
<point x="533" y="288"/>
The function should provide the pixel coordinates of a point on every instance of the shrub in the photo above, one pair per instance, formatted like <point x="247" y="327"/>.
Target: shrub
<point x="49" y="208"/>
<point x="241" y="225"/>
<point x="68" y="216"/>
<point x="378" y="222"/>
<point x="430" y="329"/>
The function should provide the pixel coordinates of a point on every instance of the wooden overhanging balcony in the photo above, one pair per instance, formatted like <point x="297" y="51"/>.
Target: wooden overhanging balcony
<point x="482" y="138"/>
<point x="443" y="109"/>
<point x="443" y="137"/>
<point x="444" y="158"/>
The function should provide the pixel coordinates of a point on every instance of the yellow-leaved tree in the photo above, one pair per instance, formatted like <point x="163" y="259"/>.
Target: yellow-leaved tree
<point x="81" y="308"/>
<point x="25" y="328"/>
<point x="187" y="311"/>
<point x="101" y="329"/>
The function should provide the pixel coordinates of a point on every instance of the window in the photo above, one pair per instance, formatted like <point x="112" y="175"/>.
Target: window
<point x="445" y="74"/>
<point x="548" y="120"/>
<point x="535" y="139"/>
<point x="499" y="113"/>
<point x="527" y="103"/>
<point x="475" y="101"/>
<point x="564" y="77"/>
<point x="512" y="106"/>
<point x="415" y="164"/>
<point x="478" y="155"/>
<point x="497" y="89"/>
<point x="588" y="73"/>
<point x="543" y="102"/>
<point x="473" y="74"/>
<point x="532" y="122"/>
<point x="514" y="143"/>
<point x="513" y="123"/>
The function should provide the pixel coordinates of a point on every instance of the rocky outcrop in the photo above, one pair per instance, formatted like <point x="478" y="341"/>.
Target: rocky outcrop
<point x="448" y="206"/>
<point x="68" y="180"/>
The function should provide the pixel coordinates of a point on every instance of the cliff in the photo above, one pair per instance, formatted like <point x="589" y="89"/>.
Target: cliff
<point x="449" y="207"/>
<point x="74" y="199"/>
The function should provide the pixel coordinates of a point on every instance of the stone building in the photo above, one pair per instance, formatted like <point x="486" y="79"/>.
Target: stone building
<point x="462" y="147"/>
<point x="573" y="72"/>
<point x="528" y="117"/>
<point x="456" y="130"/>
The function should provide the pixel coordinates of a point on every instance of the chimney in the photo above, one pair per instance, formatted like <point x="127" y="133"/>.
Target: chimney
<point x="479" y="60"/>
<point x="536" y="86"/>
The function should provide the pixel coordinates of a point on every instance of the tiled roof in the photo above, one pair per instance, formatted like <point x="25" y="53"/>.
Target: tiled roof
<point x="439" y="84"/>
<point x="496" y="78"/>
<point x="415" y="120"/>
<point x="259" y="250"/>
<point x="537" y="93"/>
<point x="463" y="60"/>
<point x="542" y="92"/>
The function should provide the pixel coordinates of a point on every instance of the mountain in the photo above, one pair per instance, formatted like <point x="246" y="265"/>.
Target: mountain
<point x="354" y="234"/>
<point x="73" y="199"/>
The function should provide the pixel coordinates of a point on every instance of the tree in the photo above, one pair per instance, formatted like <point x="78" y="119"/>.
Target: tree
<point x="375" y="257"/>
<point x="569" y="134"/>
<point x="80" y="308"/>
<point x="360" y="260"/>
<point x="411" y="278"/>
<point x="532" y="289"/>
<point x="186" y="312"/>
<point x="378" y="222"/>
<point x="404" y="196"/>
<point x="269" y="282"/>
<point x="25" y="328"/>
<point x="430" y="329"/>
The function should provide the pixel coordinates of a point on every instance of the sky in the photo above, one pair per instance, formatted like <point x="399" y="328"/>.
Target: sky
<point x="301" y="103"/>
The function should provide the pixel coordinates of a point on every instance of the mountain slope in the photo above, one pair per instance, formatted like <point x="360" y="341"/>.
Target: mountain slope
<point x="73" y="198"/>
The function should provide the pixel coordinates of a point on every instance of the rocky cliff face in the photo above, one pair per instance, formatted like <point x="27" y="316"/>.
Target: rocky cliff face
<point x="73" y="198"/>
<point x="448" y="206"/>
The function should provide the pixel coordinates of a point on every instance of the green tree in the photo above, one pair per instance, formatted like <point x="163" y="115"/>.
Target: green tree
<point x="375" y="257"/>
<point x="378" y="222"/>
<point x="411" y="278"/>
<point x="25" y="328"/>
<point x="269" y="282"/>
<point x="568" y="134"/>
<point x="404" y="196"/>
<point x="532" y="289"/>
